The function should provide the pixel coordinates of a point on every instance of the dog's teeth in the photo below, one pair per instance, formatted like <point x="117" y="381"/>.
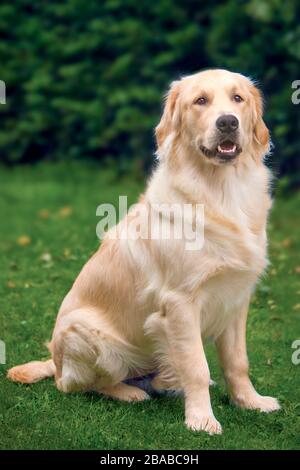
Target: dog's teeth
<point x="221" y="150"/>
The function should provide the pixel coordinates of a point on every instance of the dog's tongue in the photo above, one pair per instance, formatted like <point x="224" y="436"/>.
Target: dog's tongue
<point x="227" y="146"/>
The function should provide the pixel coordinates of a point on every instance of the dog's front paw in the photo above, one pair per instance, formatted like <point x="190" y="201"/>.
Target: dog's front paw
<point x="257" y="402"/>
<point x="207" y="423"/>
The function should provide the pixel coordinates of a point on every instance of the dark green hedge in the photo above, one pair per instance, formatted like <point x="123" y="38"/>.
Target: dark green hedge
<point x="86" y="77"/>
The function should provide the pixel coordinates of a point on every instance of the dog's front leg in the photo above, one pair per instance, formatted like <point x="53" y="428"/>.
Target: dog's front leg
<point x="231" y="346"/>
<point x="185" y="350"/>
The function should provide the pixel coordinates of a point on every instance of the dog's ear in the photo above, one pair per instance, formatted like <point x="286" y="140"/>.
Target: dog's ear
<point x="170" y="120"/>
<point x="260" y="131"/>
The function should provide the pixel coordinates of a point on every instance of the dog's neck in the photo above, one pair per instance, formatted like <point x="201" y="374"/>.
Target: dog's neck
<point x="186" y="169"/>
<point x="231" y="190"/>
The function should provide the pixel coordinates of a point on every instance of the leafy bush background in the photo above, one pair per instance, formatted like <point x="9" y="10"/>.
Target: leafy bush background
<point x="86" y="78"/>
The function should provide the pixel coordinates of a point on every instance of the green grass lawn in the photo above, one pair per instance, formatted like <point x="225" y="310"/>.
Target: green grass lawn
<point x="48" y="222"/>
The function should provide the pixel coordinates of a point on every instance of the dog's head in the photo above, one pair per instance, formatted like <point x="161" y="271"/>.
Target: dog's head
<point x="217" y="114"/>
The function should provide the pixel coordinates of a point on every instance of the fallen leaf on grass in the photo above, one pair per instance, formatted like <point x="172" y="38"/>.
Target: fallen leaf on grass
<point x="286" y="243"/>
<point x="24" y="240"/>
<point x="43" y="214"/>
<point x="65" y="211"/>
<point x="11" y="285"/>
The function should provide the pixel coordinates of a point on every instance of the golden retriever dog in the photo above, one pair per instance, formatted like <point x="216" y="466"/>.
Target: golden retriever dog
<point x="144" y="304"/>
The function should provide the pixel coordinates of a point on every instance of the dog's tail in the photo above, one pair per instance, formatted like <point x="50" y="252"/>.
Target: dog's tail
<point x="32" y="371"/>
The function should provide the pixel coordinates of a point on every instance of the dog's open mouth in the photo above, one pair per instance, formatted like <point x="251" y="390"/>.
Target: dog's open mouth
<point x="227" y="148"/>
<point x="225" y="151"/>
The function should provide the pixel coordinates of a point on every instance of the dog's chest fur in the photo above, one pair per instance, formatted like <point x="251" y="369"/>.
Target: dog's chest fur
<point x="222" y="273"/>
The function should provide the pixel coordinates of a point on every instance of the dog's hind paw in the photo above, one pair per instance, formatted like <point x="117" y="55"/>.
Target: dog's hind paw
<point x="124" y="392"/>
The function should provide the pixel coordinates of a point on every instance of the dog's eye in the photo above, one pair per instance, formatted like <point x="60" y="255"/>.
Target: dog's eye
<point x="201" y="101"/>
<point x="238" y="98"/>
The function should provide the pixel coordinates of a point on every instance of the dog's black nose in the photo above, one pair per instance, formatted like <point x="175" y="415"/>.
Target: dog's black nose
<point x="227" y="123"/>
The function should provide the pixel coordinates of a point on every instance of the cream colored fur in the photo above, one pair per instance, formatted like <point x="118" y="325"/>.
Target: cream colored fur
<point x="144" y="305"/>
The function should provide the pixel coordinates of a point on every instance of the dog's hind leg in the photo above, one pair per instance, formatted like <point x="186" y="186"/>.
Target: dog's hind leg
<point x="90" y="356"/>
